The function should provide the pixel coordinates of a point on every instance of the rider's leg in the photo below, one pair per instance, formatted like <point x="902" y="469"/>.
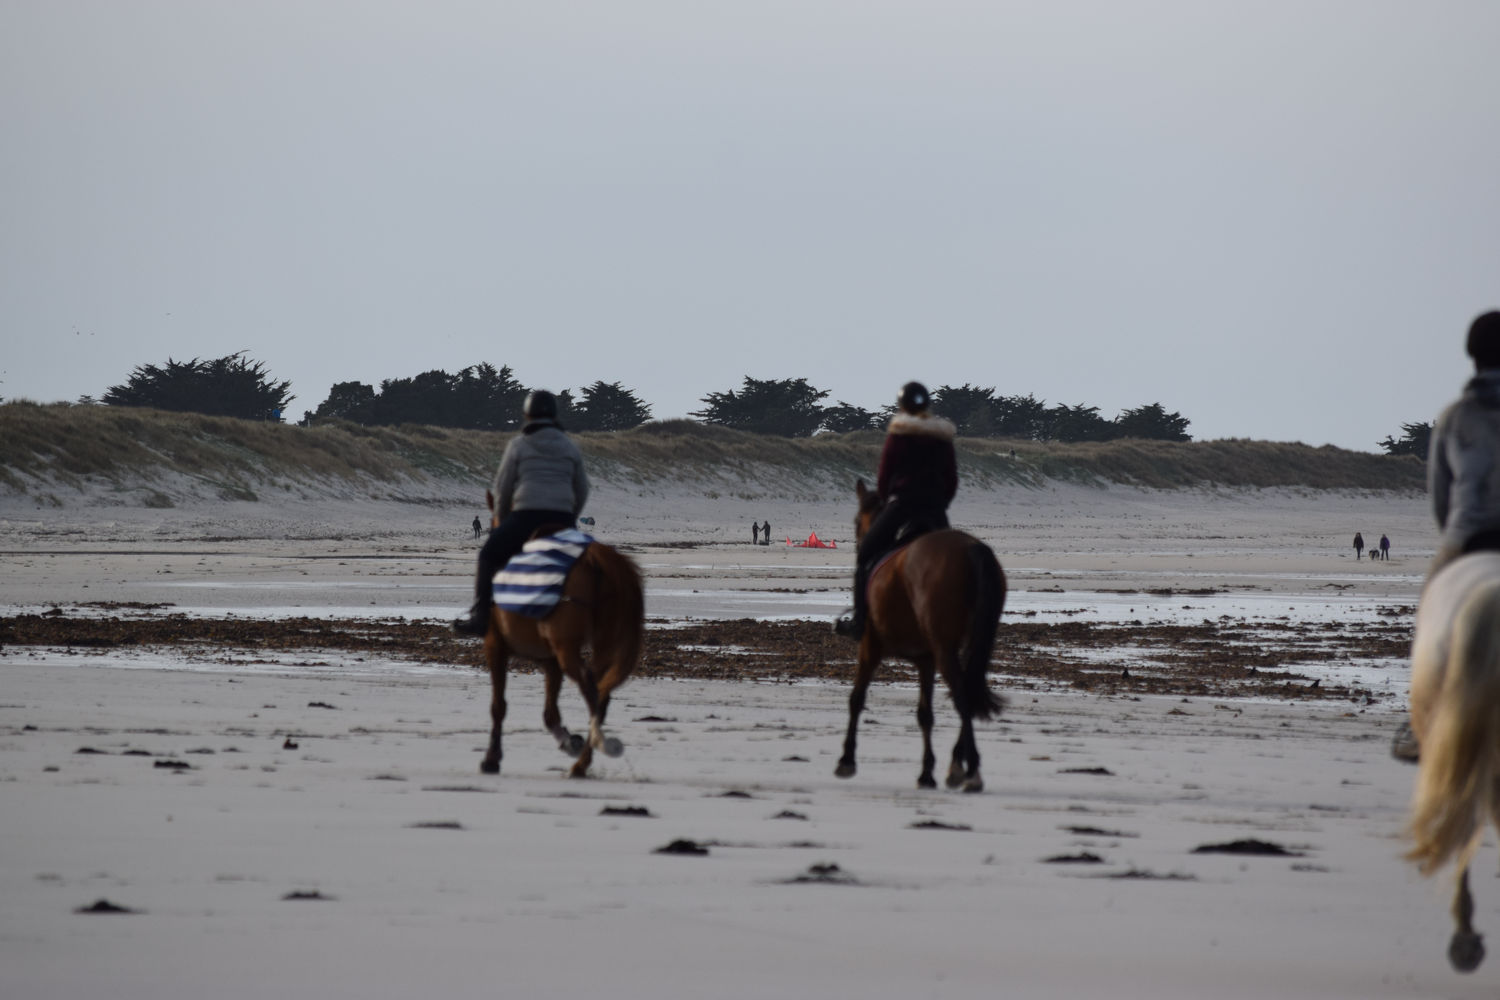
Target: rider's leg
<point x="876" y="542"/>
<point x="504" y="541"/>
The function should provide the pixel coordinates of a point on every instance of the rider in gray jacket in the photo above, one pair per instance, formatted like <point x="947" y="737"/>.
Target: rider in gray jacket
<point x="1463" y="460"/>
<point x="1463" y="471"/>
<point x="540" y="482"/>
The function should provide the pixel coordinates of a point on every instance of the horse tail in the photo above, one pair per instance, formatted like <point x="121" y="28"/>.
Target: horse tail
<point x="1460" y="759"/>
<point x="988" y="600"/>
<point x="619" y="614"/>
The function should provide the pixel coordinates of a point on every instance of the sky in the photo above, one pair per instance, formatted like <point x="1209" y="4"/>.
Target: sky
<point x="1276" y="217"/>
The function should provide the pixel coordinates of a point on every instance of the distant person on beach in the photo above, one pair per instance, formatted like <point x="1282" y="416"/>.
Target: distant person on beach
<point x="1463" y="459"/>
<point x="765" y="533"/>
<point x="540" y="481"/>
<point x="478" y="525"/>
<point x="1359" y="545"/>
<point x="754" y="532"/>
<point x="1385" y="548"/>
<point x="917" y="479"/>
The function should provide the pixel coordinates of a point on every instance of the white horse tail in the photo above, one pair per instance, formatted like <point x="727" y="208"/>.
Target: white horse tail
<point x="1460" y="760"/>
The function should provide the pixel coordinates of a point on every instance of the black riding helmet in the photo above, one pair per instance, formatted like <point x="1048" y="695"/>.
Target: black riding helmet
<point x="1484" y="340"/>
<point x="914" y="398"/>
<point x="540" y="405"/>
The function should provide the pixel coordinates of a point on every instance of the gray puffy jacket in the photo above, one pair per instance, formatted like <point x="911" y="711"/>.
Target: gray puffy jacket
<point x="1463" y="462"/>
<point x="542" y="469"/>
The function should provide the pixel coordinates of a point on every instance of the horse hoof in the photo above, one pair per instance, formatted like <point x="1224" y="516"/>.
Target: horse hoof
<point x="1466" y="951"/>
<point x="955" y="779"/>
<point x="578" y="772"/>
<point x="974" y="784"/>
<point x="926" y="781"/>
<point x="573" y="745"/>
<point x="612" y="747"/>
<point x="844" y="771"/>
<point x="489" y="767"/>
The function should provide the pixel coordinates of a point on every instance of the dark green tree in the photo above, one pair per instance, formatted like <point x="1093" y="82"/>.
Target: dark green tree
<point x="1077" y="423"/>
<point x="1153" y="422"/>
<point x="971" y="408"/>
<point x="785" y="407"/>
<point x="607" y="406"/>
<point x="231" y="386"/>
<point x="351" y="401"/>
<point x="428" y="398"/>
<point x="487" y="398"/>
<point x="1415" y="439"/>
<point x="1019" y="417"/>
<point x="844" y="417"/>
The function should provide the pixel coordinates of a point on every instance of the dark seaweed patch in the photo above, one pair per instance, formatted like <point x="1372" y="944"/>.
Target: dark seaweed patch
<point x="1250" y="846"/>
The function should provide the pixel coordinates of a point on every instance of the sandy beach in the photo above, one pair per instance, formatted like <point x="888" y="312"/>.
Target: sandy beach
<point x="317" y="825"/>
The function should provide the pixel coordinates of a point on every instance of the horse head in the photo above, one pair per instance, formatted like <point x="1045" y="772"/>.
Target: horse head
<point x="870" y="506"/>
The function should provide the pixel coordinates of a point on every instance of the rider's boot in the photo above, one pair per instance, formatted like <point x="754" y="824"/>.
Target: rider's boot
<point x="476" y="622"/>
<point x="850" y="624"/>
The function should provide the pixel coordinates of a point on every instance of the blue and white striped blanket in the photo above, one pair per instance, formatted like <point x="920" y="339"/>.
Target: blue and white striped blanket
<point x="531" y="583"/>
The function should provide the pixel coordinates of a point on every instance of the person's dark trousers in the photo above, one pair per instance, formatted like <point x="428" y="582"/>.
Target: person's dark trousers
<point x="504" y="542"/>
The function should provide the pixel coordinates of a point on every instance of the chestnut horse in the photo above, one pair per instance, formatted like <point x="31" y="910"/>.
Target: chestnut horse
<point x="603" y="607"/>
<point x="936" y="602"/>
<point x="1455" y="713"/>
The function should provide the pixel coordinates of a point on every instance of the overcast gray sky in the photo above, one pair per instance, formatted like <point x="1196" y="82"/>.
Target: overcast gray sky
<point x="1277" y="217"/>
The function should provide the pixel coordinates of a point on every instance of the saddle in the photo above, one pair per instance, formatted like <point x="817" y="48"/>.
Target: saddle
<point x="531" y="584"/>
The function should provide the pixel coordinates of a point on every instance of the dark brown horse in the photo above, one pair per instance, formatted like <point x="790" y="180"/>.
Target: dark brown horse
<point x="935" y="602"/>
<point x="602" y="607"/>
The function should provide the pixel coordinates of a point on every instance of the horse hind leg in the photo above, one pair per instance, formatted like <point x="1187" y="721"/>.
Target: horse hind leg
<point x="963" y="768"/>
<point x="572" y="664"/>
<point x="610" y="745"/>
<point x="1466" y="948"/>
<point x="569" y="743"/>
<point x="964" y="772"/>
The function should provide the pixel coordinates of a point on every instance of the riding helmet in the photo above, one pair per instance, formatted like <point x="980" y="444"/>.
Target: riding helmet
<point x="914" y="398"/>
<point x="540" y="405"/>
<point x="1484" y="340"/>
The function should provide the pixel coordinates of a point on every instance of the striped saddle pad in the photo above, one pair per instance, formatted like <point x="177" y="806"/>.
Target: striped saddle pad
<point x="531" y="584"/>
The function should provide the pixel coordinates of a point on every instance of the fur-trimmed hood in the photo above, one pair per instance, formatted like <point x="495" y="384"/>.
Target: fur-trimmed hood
<point x="924" y="424"/>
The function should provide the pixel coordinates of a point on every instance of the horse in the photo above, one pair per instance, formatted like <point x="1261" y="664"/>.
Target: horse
<point x="936" y="601"/>
<point x="602" y="606"/>
<point x="1455" y="713"/>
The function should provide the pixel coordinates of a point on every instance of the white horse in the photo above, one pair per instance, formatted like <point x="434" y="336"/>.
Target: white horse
<point x="1455" y="712"/>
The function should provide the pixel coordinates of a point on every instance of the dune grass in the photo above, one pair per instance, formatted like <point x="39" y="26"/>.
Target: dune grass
<point x="60" y="447"/>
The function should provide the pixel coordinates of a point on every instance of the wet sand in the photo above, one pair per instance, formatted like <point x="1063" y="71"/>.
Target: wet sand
<point x="264" y="744"/>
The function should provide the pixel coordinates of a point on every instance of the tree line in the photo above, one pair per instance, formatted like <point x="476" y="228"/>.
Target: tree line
<point x="483" y="397"/>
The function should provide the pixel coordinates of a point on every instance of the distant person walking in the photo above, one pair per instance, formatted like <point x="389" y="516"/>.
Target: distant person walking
<point x="1359" y="545"/>
<point x="754" y="532"/>
<point x="478" y="526"/>
<point x="1385" y="547"/>
<point x="765" y="533"/>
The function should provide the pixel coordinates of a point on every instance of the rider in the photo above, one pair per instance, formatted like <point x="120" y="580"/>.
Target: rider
<point x="917" y="479"/>
<point x="540" y="481"/>
<point x="1463" y="459"/>
<point x="1463" y="470"/>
